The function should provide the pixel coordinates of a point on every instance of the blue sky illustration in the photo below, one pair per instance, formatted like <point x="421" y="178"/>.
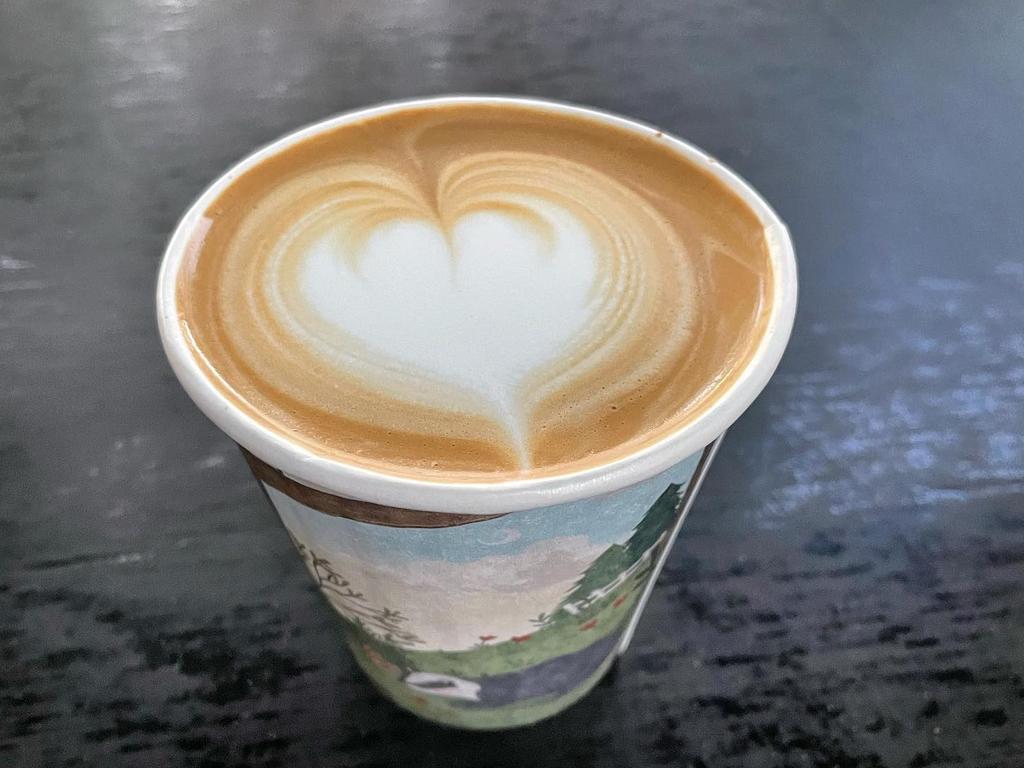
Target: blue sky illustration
<point x="603" y="520"/>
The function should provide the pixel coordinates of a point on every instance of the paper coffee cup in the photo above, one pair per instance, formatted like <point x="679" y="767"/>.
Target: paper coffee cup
<point x="485" y="605"/>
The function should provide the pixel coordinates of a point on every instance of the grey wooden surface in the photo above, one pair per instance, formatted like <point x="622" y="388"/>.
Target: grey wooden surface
<point x="849" y="589"/>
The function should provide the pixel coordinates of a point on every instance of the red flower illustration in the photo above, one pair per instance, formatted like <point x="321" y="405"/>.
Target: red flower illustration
<point x="377" y="660"/>
<point x="520" y="638"/>
<point x="589" y="625"/>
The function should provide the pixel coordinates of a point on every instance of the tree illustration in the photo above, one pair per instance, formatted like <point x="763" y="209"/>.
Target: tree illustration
<point x="602" y="571"/>
<point x="384" y="623"/>
<point x="653" y="524"/>
<point x="606" y="570"/>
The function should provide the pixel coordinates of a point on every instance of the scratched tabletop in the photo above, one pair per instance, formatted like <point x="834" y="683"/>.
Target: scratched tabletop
<point x="849" y="588"/>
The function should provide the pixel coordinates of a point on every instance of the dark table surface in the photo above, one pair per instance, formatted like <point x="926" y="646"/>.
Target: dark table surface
<point x="849" y="589"/>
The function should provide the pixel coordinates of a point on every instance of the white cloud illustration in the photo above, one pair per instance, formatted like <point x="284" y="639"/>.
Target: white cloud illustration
<point x="449" y="605"/>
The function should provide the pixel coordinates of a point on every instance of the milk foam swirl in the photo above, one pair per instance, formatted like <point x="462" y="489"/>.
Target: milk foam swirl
<point x="442" y="293"/>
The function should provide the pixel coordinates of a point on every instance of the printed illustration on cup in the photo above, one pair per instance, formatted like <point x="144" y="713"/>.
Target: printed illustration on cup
<point x="497" y="621"/>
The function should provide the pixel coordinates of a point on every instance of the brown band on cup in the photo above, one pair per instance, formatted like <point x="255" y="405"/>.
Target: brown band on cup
<point x="360" y="511"/>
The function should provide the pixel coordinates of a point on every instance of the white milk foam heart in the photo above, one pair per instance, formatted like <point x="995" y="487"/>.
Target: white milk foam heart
<point x="480" y="310"/>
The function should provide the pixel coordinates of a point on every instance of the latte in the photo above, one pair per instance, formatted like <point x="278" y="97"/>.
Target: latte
<point x="475" y="291"/>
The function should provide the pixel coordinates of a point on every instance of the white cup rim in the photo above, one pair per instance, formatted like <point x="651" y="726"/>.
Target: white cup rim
<point x="484" y="498"/>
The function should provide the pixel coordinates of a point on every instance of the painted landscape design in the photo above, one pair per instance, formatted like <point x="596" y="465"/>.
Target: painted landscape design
<point x="496" y="623"/>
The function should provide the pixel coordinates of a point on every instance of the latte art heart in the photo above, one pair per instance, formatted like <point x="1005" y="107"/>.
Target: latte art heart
<point x="478" y="313"/>
<point x="443" y="293"/>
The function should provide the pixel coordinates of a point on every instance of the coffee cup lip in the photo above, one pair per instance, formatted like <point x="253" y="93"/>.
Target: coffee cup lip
<point x="338" y="477"/>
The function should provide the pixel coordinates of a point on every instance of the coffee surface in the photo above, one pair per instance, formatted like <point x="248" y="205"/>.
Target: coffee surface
<point x="475" y="291"/>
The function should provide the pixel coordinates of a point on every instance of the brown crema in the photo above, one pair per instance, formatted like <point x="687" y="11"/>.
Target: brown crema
<point x="678" y="300"/>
